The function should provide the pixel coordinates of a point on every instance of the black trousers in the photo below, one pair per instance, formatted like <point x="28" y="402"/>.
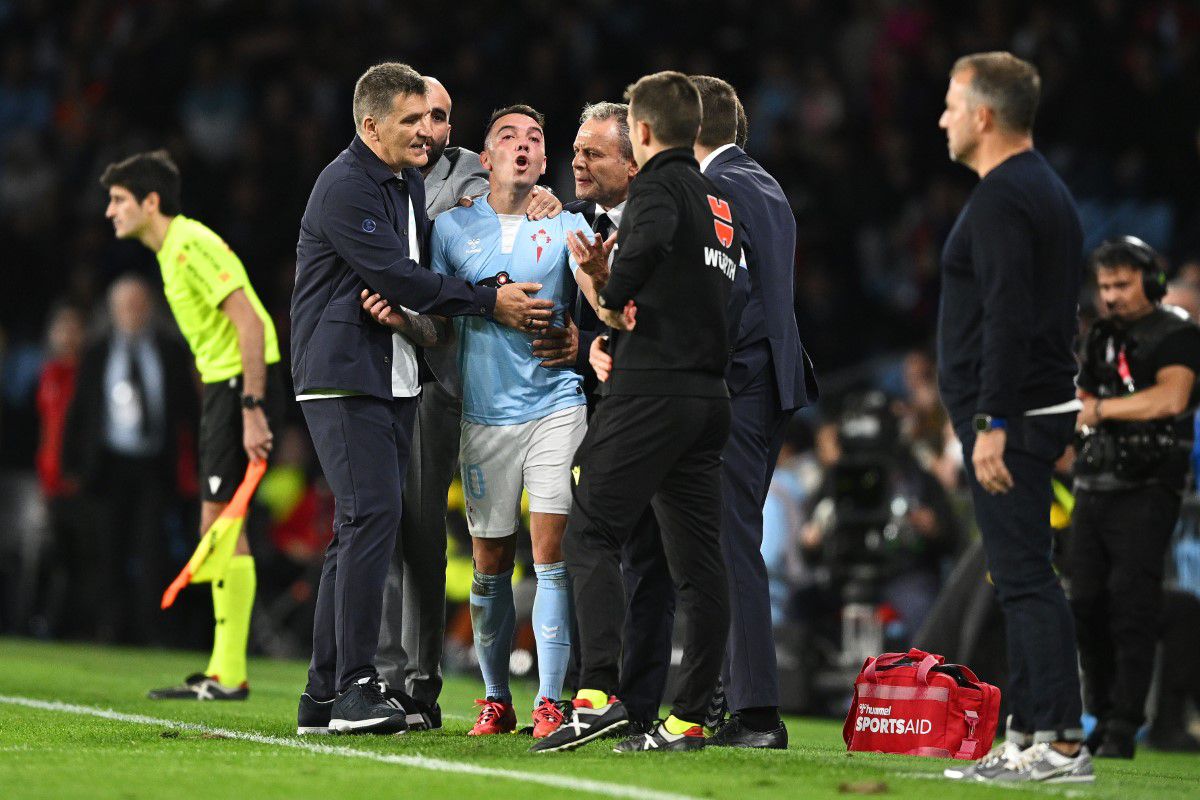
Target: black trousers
<point x="649" y="620"/>
<point x="750" y="673"/>
<point x="363" y="445"/>
<point x="1115" y="562"/>
<point x="1044" y="695"/>
<point x="128" y="507"/>
<point x="664" y="452"/>
<point x="414" y="595"/>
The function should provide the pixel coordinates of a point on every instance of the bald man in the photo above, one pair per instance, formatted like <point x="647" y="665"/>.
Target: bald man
<point x="414" y="598"/>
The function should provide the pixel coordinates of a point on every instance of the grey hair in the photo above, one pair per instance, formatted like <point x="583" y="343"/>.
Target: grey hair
<point x="377" y="88"/>
<point x="604" y="111"/>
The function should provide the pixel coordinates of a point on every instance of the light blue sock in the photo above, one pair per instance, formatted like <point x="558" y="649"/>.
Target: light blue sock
<point x="493" y="618"/>
<point x="552" y="627"/>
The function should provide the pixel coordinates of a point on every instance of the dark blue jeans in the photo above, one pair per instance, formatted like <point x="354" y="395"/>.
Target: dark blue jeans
<point x="1043" y="695"/>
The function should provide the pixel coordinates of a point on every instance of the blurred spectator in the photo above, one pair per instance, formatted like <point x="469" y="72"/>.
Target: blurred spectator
<point x="62" y="565"/>
<point x="135" y="396"/>
<point x="796" y="475"/>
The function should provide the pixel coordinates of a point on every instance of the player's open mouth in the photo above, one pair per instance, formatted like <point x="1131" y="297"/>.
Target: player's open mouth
<point x="522" y="162"/>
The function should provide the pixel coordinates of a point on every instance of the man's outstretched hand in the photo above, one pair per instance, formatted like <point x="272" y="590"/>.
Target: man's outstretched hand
<point x="516" y="309"/>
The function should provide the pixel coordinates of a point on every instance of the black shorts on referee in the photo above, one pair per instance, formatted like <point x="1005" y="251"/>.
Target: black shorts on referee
<point x="222" y="456"/>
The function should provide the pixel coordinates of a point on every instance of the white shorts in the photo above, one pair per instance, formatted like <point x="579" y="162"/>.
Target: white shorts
<point x="498" y="460"/>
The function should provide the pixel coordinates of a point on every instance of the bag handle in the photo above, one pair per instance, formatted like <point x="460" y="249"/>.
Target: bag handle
<point x="966" y="748"/>
<point x="927" y="664"/>
<point x="927" y="660"/>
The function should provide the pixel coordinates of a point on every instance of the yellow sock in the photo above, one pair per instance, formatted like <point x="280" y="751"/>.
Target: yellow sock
<point x="233" y="599"/>
<point x="597" y="698"/>
<point x="676" y="726"/>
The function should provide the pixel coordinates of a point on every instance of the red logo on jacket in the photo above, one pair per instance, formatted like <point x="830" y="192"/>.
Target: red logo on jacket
<point x="723" y="218"/>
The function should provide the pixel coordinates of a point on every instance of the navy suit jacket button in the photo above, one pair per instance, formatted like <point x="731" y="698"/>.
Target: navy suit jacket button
<point x="387" y="359"/>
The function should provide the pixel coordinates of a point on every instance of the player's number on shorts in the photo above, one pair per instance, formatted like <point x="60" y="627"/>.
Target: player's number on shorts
<point x="476" y="487"/>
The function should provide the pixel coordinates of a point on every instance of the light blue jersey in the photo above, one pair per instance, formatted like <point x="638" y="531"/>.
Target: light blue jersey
<point x="503" y="383"/>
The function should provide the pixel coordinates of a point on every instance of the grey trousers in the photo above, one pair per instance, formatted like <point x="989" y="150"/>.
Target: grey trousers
<point x="414" y="596"/>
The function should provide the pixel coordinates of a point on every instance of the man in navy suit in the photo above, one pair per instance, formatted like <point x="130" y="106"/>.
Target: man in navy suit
<point x="603" y="168"/>
<point x="769" y="377"/>
<point x="363" y="231"/>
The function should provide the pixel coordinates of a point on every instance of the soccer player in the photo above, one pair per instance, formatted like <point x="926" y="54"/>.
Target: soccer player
<point x="236" y="350"/>
<point x="521" y="422"/>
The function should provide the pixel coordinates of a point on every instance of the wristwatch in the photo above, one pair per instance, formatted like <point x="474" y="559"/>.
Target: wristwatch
<point x="250" y="402"/>
<point x="986" y="422"/>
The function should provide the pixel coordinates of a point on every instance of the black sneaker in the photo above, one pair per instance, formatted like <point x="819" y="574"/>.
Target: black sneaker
<point x="734" y="733"/>
<point x="583" y="725"/>
<point x="312" y="717"/>
<point x="199" y="686"/>
<point x="662" y="739"/>
<point x="419" y="716"/>
<point x="636" y="727"/>
<point x="362" y="709"/>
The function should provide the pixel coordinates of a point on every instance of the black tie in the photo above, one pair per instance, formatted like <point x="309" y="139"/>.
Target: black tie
<point x="603" y="226"/>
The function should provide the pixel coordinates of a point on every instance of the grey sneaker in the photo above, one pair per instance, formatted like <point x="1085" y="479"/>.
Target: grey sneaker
<point x="987" y="767"/>
<point x="1044" y="764"/>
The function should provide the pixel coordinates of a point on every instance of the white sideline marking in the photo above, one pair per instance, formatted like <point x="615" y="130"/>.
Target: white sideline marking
<point x="419" y="762"/>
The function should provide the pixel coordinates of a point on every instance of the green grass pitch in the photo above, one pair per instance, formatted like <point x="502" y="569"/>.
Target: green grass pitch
<point x="57" y="747"/>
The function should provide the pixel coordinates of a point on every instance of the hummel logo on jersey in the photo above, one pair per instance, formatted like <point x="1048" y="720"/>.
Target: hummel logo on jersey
<point x="473" y="247"/>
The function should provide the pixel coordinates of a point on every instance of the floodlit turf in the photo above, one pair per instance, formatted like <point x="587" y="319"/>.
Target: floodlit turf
<point x="60" y="753"/>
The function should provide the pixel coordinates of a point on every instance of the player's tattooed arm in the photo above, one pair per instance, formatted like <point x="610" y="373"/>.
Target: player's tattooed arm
<point x="423" y="330"/>
<point x="426" y="330"/>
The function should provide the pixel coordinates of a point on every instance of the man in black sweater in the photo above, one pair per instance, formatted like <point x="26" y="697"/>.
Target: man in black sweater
<point x="656" y="437"/>
<point x="1011" y="272"/>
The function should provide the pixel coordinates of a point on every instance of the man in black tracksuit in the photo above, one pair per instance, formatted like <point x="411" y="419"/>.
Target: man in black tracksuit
<point x="656" y="437"/>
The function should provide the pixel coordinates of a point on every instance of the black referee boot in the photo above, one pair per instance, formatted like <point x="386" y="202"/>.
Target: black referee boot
<point x="584" y="724"/>
<point x="362" y="709"/>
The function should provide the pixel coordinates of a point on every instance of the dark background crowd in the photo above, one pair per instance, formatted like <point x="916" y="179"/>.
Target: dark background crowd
<point x="252" y="99"/>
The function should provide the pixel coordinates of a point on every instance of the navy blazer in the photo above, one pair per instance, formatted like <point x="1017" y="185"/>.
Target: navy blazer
<point x="354" y="236"/>
<point x="769" y="237"/>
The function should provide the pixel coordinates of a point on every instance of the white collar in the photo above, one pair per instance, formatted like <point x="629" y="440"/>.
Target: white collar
<point x="613" y="214"/>
<point x="708" y="159"/>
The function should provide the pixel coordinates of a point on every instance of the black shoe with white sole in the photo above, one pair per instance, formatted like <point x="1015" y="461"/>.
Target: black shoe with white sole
<point x="583" y="725"/>
<point x="199" y="686"/>
<point x="662" y="739"/>
<point x="362" y="709"/>
<point x="419" y="716"/>
<point x="312" y="716"/>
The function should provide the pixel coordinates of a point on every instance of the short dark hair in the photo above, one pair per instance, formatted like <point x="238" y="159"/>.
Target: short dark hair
<point x="604" y="111"/>
<point x="743" y="126"/>
<point x="719" y="111"/>
<point x="669" y="103"/>
<point x="515" y="108"/>
<point x="377" y="88"/>
<point x="1010" y="86"/>
<point x="144" y="173"/>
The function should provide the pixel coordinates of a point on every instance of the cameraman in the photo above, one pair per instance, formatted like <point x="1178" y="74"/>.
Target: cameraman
<point x="1137" y="381"/>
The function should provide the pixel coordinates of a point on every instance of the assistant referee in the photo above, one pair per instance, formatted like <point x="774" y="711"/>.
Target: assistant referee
<point x="658" y="432"/>
<point x="237" y="355"/>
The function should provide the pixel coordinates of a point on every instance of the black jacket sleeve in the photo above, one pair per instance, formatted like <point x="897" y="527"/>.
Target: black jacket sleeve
<point x="647" y="230"/>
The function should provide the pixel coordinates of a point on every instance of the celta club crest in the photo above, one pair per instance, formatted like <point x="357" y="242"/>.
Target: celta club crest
<point x="540" y="238"/>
